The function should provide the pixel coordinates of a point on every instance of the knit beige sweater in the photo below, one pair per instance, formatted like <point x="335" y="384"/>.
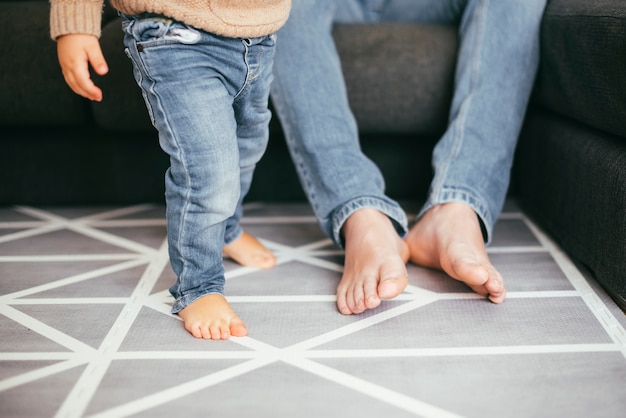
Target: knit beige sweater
<point x="232" y="18"/>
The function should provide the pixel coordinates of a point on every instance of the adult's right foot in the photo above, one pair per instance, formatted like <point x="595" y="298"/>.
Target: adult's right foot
<point x="375" y="262"/>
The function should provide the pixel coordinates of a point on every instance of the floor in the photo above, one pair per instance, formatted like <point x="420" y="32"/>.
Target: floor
<point x="85" y="329"/>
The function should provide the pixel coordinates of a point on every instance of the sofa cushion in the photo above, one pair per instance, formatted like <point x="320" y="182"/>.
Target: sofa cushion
<point x="583" y="62"/>
<point x="399" y="78"/>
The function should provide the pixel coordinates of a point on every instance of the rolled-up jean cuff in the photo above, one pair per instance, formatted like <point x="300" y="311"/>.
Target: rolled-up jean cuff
<point x="388" y="207"/>
<point x="477" y="204"/>
<point x="233" y="235"/>
<point x="183" y="301"/>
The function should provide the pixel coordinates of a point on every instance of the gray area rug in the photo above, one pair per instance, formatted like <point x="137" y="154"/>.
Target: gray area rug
<point x="85" y="329"/>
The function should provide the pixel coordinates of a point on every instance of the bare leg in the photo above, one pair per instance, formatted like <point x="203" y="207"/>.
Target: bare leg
<point x="375" y="264"/>
<point x="248" y="251"/>
<point x="448" y="238"/>
<point x="211" y="317"/>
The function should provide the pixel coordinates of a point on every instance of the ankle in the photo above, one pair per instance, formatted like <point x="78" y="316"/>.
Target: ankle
<point x="363" y="219"/>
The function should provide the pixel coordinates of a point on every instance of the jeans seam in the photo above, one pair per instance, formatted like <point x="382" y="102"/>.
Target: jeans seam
<point x="296" y="156"/>
<point x="157" y="101"/>
<point x="459" y="134"/>
<point x="248" y="72"/>
<point x="182" y="230"/>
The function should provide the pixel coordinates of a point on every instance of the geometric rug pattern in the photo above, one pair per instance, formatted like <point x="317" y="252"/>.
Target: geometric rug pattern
<point x="86" y="329"/>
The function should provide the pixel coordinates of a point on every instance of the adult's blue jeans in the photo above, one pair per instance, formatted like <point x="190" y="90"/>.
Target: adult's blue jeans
<point x="496" y="66"/>
<point x="207" y="96"/>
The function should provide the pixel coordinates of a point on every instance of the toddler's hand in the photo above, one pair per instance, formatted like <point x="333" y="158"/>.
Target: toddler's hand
<point x="76" y="52"/>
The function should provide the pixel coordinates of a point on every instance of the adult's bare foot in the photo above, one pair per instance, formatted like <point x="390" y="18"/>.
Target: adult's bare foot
<point x="375" y="262"/>
<point x="449" y="238"/>
<point x="250" y="252"/>
<point x="211" y="317"/>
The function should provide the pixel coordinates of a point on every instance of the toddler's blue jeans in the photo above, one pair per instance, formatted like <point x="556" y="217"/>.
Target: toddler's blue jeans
<point x="207" y="97"/>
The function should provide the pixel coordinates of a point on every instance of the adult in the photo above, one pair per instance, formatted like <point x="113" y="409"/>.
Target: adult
<point x="496" y="65"/>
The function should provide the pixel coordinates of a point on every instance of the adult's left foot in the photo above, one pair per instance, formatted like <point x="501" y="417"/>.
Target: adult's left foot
<point x="449" y="238"/>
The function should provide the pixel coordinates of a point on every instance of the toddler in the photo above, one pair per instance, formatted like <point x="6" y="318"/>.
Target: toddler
<point x="204" y="68"/>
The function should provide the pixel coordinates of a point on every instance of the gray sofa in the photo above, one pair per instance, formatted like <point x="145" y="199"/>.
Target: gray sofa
<point x="570" y="168"/>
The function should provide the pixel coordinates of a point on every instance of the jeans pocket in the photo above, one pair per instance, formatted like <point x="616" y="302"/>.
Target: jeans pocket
<point x="153" y="30"/>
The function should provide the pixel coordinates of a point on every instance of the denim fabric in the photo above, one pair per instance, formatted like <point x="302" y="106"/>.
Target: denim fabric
<point x="207" y="96"/>
<point x="496" y="65"/>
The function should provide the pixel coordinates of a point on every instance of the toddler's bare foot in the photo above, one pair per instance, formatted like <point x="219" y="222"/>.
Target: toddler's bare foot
<point x="448" y="238"/>
<point x="211" y="317"/>
<point x="248" y="251"/>
<point x="375" y="264"/>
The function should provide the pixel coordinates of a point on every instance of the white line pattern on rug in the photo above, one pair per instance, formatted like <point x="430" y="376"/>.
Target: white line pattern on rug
<point x="302" y="355"/>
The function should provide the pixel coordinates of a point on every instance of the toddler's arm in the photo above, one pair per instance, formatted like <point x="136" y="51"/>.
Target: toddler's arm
<point x="76" y="52"/>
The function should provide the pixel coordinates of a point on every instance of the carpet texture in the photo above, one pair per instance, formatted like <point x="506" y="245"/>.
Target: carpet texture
<point x="85" y="329"/>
